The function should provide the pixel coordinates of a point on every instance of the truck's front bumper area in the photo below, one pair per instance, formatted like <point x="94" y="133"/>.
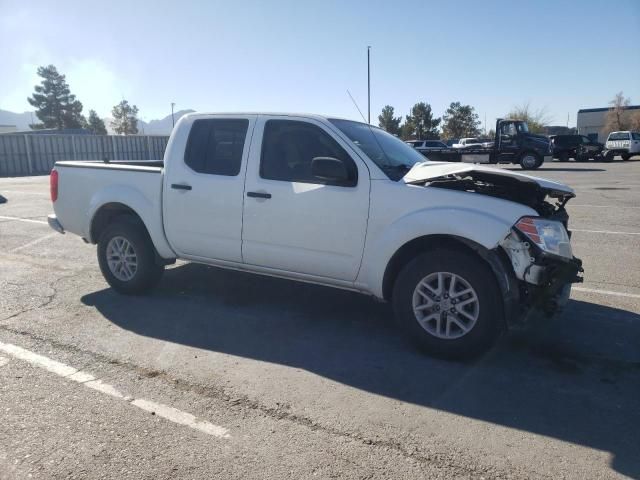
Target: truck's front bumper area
<point x="553" y="294"/>
<point x="53" y="222"/>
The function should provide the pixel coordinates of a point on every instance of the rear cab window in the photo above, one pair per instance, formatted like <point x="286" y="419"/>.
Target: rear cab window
<point x="215" y="146"/>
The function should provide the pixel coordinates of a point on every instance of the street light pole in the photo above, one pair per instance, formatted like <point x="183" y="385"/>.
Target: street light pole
<point x="368" y="84"/>
<point x="173" y="122"/>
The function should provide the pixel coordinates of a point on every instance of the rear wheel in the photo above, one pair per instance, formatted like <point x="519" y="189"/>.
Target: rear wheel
<point x="447" y="302"/>
<point x="563" y="157"/>
<point x="530" y="161"/>
<point x="609" y="157"/>
<point x="626" y="156"/>
<point x="127" y="257"/>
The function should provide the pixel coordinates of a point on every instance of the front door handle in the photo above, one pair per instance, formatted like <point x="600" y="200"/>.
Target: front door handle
<point x="258" y="195"/>
<point x="180" y="186"/>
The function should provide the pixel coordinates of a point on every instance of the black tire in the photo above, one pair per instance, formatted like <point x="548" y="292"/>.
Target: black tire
<point x="147" y="271"/>
<point x="626" y="156"/>
<point x="490" y="316"/>
<point x="563" y="157"/>
<point x="527" y="163"/>
<point x="609" y="157"/>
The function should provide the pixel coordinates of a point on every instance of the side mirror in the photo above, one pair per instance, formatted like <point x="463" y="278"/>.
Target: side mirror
<point x="329" y="169"/>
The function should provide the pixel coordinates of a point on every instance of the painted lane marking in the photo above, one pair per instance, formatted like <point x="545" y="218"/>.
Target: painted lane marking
<point x="178" y="416"/>
<point x="605" y="292"/>
<point x="603" y="206"/>
<point x="34" y="242"/>
<point x="87" y="379"/>
<point x="28" y="220"/>
<point x="608" y="232"/>
<point x="3" y="361"/>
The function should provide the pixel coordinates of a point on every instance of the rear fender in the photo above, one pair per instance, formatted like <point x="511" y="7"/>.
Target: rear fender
<point x="149" y="213"/>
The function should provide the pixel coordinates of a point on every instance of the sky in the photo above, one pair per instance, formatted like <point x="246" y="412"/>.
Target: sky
<point x="303" y="56"/>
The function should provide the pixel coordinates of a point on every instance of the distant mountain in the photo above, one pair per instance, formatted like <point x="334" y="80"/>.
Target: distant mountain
<point x="153" y="127"/>
<point x="20" y="120"/>
<point x="162" y="126"/>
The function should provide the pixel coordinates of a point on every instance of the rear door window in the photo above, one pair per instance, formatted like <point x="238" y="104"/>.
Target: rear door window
<point x="215" y="146"/>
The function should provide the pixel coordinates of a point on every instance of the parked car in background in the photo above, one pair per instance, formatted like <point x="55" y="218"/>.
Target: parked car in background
<point x="626" y="144"/>
<point x="467" y="143"/>
<point x="426" y="145"/>
<point x="460" y="251"/>
<point x="578" y="147"/>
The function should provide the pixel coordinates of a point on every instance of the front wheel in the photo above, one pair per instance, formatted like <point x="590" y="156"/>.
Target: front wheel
<point x="530" y="161"/>
<point x="448" y="303"/>
<point x="626" y="156"/>
<point x="127" y="257"/>
<point x="608" y="157"/>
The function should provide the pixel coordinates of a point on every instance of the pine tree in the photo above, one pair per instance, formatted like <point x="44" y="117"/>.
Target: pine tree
<point x="460" y="121"/>
<point x="424" y="124"/>
<point x="388" y="122"/>
<point x="55" y="106"/>
<point x="125" y="118"/>
<point x="95" y="124"/>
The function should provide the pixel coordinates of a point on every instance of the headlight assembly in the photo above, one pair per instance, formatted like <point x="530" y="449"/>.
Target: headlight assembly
<point x="550" y="236"/>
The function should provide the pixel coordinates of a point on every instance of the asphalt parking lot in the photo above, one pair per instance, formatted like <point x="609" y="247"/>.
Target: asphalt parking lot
<point x="225" y="374"/>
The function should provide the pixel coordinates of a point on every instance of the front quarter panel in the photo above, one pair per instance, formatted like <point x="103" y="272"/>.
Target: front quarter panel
<point x="401" y="213"/>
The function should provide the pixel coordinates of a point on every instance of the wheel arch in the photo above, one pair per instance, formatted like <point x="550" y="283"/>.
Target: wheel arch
<point x="105" y="214"/>
<point x="495" y="259"/>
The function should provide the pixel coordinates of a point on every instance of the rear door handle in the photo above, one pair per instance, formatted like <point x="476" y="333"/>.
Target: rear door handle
<point x="180" y="186"/>
<point x="258" y="195"/>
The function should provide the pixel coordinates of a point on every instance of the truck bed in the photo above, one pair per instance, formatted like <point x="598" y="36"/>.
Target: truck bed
<point x="84" y="185"/>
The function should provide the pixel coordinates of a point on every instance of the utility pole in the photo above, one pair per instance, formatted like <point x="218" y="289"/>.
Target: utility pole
<point x="173" y="122"/>
<point x="368" y="84"/>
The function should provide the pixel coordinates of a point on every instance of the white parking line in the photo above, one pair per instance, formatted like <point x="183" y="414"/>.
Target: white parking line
<point x="608" y="232"/>
<point x="87" y="379"/>
<point x="603" y="206"/>
<point x="18" y="219"/>
<point x="34" y="242"/>
<point x="605" y="292"/>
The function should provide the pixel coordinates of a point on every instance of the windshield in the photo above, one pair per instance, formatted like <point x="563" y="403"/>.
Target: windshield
<point x="522" y="127"/>
<point x="619" y="136"/>
<point x="394" y="157"/>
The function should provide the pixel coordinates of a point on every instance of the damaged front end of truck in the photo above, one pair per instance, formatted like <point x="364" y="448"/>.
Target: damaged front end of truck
<point x="537" y="248"/>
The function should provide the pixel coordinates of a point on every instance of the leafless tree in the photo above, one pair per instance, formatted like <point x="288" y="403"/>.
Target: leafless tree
<point x="617" y="118"/>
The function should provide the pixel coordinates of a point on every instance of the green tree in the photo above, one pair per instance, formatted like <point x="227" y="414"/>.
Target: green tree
<point x="536" y="119"/>
<point x="421" y="122"/>
<point x="55" y="106"/>
<point x="460" y="121"/>
<point x="95" y="124"/>
<point x="407" y="129"/>
<point x="388" y="122"/>
<point x="125" y="118"/>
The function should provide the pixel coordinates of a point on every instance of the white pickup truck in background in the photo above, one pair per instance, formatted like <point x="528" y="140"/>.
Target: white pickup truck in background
<point x="461" y="251"/>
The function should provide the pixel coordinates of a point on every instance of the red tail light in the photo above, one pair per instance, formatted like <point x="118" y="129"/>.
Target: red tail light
<point x="53" y="185"/>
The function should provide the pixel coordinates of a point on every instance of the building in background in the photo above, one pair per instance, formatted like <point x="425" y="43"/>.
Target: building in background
<point x="591" y="122"/>
<point x="8" y="128"/>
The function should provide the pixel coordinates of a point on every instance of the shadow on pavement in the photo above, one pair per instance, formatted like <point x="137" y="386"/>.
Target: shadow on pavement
<point x="575" y="378"/>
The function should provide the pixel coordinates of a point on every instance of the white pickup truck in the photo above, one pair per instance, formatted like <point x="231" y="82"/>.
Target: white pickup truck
<point x="461" y="251"/>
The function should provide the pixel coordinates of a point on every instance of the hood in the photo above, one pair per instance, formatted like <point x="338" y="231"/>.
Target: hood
<point x="426" y="171"/>
<point x="544" y="196"/>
